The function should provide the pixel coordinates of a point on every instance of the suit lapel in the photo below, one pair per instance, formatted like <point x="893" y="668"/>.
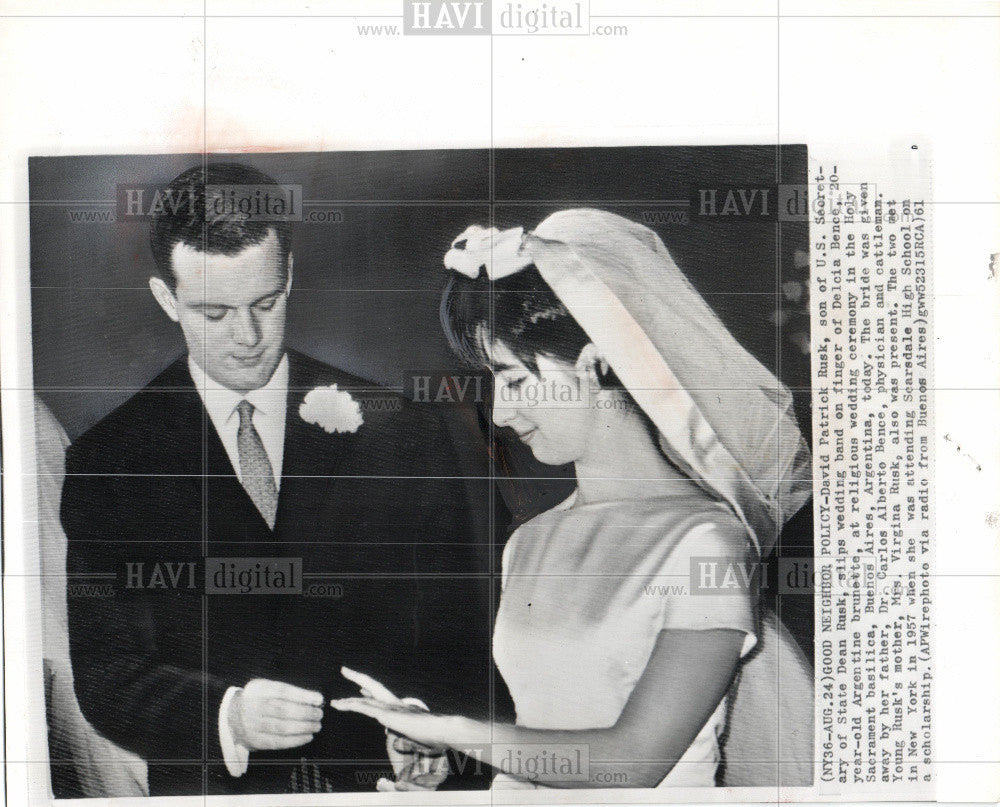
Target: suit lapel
<point x="309" y="451"/>
<point x="311" y="455"/>
<point x="227" y="494"/>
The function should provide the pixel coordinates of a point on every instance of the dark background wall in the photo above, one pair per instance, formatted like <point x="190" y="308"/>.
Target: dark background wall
<point x="366" y="290"/>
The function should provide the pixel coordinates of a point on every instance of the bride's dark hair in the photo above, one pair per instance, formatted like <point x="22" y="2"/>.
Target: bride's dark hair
<point x="519" y="310"/>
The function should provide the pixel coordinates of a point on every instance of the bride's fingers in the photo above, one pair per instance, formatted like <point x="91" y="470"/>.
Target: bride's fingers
<point x="372" y="705"/>
<point x="361" y="705"/>
<point x="375" y="689"/>
<point x="416" y="702"/>
<point x="366" y="706"/>
<point x="402" y="720"/>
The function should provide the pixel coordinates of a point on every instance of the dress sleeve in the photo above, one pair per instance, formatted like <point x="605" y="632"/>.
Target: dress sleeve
<point x="709" y="581"/>
<point x="505" y="561"/>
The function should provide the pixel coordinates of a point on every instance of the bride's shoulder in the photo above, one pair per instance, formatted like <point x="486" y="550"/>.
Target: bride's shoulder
<point x="662" y="519"/>
<point x="668" y="509"/>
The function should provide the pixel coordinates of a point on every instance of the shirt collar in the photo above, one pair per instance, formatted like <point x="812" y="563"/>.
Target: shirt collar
<point x="221" y="401"/>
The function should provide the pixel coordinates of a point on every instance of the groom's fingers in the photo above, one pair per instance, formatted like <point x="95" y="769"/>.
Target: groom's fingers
<point x="289" y="710"/>
<point x="290" y="692"/>
<point x="287" y="728"/>
<point x="274" y="715"/>
<point x="275" y="742"/>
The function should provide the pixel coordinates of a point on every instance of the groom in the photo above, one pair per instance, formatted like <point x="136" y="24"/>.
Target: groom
<point x="267" y="519"/>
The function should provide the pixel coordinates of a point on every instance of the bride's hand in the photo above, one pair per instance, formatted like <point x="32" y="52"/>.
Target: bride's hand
<point x="370" y="688"/>
<point x="416" y="766"/>
<point x="408" y="717"/>
<point x="403" y="718"/>
<point x="374" y="690"/>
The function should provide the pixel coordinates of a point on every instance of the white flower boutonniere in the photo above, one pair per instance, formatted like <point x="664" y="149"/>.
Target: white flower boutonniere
<point x="332" y="409"/>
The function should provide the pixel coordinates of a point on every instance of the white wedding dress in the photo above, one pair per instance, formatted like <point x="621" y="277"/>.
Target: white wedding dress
<point x="587" y="588"/>
<point x="586" y="591"/>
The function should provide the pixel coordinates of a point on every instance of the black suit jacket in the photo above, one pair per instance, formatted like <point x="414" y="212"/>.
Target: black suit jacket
<point x="393" y="535"/>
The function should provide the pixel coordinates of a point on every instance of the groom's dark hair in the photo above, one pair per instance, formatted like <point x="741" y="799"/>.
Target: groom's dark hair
<point x="183" y="218"/>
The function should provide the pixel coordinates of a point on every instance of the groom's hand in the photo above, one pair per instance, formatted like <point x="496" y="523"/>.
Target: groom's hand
<point x="269" y="715"/>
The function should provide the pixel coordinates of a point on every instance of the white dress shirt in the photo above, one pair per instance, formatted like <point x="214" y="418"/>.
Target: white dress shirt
<point x="269" y="407"/>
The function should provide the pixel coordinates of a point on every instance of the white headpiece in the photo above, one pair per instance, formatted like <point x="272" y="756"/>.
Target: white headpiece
<point x="722" y="416"/>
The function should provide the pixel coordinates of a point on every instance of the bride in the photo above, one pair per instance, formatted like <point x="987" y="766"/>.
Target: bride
<point x="628" y="630"/>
